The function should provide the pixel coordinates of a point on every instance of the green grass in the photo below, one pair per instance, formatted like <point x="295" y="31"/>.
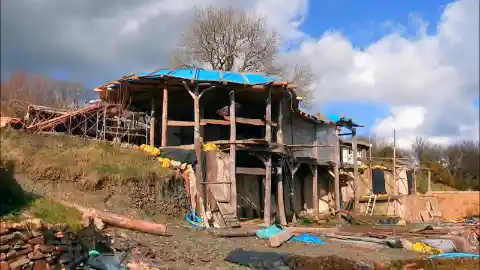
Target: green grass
<point x="49" y="211"/>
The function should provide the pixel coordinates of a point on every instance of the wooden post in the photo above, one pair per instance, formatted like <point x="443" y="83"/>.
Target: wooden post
<point x="356" y="192"/>
<point x="315" y="192"/>
<point x="233" y="152"/>
<point x="280" y="198"/>
<point x="152" y="123"/>
<point x="429" y="183"/>
<point x="268" y="116"/>
<point x="268" y="163"/>
<point x="164" y="117"/>
<point x="414" y="181"/>
<point x="268" y="193"/>
<point x="280" y="124"/>
<point x="280" y="192"/>
<point x="336" y="171"/>
<point x="395" y="184"/>
<point x="104" y="128"/>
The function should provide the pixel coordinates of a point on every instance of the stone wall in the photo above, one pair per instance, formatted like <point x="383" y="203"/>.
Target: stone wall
<point x="32" y="245"/>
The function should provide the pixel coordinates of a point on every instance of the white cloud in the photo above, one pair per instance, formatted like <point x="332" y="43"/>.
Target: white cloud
<point x="429" y="81"/>
<point x="432" y="78"/>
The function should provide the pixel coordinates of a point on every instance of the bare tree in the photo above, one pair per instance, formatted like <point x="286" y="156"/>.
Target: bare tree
<point x="23" y="89"/>
<point x="232" y="40"/>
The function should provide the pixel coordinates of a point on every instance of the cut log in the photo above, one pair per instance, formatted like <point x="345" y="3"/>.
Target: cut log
<point x="240" y="232"/>
<point x="121" y="221"/>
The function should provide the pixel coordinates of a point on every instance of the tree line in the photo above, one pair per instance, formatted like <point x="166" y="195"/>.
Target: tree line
<point x="456" y="164"/>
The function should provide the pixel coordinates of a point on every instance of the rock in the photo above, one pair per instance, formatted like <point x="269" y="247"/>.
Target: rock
<point x="4" y="230"/>
<point x="4" y="248"/>
<point x="37" y="241"/>
<point x="46" y="248"/>
<point x="22" y="236"/>
<point x="23" y="246"/>
<point x="36" y="233"/>
<point x="4" y="266"/>
<point x="18" y="253"/>
<point x="10" y="254"/>
<point x="19" y="262"/>
<point x="5" y="238"/>
<point x="36" y="255"/>
<point x="40" y="265"/>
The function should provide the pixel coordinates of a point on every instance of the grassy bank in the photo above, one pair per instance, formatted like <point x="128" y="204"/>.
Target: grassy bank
<point x="65" y="158"/>
<point x="129" y="174"/>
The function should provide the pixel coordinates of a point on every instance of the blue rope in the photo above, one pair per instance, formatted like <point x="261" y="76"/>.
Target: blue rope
<point x="193" y="219"/>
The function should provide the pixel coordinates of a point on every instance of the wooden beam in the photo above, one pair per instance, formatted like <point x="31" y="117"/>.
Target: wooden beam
<point x="233" y="152"/>
<point x="250" y="171"/>
<point x="336" y="171"/>
<point x="268" y="193"/>
<point x="164" y="117"/>
<point x="226" y="122"/>
<point x="268" y="116"/>
<point x="152" y="123"/>
<point x="356" y="192"/>
<point x="250" y="121"/>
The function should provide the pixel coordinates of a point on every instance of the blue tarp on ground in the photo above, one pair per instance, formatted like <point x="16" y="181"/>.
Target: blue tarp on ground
<point x="206" y="75"/>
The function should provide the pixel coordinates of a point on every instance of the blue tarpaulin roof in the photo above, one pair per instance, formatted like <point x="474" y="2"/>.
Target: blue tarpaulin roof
<point x="206" y="75"/>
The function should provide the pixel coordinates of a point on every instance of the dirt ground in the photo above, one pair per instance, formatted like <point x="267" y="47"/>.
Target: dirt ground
<point x="190" y="248"/>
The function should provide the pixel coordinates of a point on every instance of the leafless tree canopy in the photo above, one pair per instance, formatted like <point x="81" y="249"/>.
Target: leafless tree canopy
<point x="23" y="89"/>
<point x="231" y="40"/>
<point x="456" y="165"/>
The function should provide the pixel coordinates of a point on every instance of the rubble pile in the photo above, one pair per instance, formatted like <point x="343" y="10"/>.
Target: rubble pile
<point x="33" y="245"/>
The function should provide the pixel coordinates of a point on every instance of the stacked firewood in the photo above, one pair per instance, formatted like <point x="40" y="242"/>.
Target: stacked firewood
<point x="32" y="245"/>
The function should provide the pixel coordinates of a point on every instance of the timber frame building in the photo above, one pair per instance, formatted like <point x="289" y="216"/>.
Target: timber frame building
<point x="273" y="159"/>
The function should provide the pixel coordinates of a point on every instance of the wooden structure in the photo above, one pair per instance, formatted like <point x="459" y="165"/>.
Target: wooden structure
<point x="96" y="121"/>
<point x="272" y="156"/>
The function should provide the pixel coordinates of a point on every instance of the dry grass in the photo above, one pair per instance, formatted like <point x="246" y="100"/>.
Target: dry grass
<point x="65" y="158"/>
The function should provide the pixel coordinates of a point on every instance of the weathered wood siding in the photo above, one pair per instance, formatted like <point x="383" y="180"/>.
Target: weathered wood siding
<point x="325" y="135"/>
<point x="297" y="130"/>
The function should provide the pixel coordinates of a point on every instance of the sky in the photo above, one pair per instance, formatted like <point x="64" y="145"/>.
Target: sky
<point x="407" y="65"/>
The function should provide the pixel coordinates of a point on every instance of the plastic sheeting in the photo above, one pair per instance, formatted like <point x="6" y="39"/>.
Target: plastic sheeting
<point x="207" y="75"/>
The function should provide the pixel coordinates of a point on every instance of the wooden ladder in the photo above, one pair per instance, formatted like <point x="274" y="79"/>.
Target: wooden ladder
<point x="371" y="205"/>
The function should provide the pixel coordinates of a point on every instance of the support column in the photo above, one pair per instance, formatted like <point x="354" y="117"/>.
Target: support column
<point x="315" y="178"/>
<point x="268" y="191"/>
<point x="429" y="179"/>
<point x="356" y="192"/>
<point x="336" y="171"/>
<point x="280" y="191"/>
<point x="233" y="153"/>
<point x="152" y="123"/>
<point x="315" y="192"/>
<point x="268" y="163"/>
<point x="268" y="116"/>
<point x="164" y="117"/>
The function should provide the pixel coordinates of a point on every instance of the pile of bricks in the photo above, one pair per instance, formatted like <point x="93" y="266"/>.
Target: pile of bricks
<point x="32" y="245"/>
